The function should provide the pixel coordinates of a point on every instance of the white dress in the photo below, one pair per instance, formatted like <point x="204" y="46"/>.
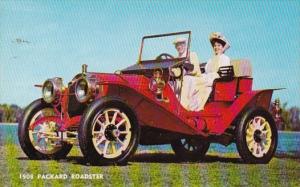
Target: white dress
<point x="193" y="86"/>
<point x="210" y="75"/>
<point x="213" y="66"/>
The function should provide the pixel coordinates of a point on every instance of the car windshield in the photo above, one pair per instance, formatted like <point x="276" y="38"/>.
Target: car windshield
<point x="155" y="45"/>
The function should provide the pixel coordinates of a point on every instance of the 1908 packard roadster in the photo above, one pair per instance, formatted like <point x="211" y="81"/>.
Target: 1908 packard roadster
<point x="109" y="114"/>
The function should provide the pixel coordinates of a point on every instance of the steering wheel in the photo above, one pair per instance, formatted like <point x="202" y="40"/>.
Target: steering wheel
<point x="164" y="56"/>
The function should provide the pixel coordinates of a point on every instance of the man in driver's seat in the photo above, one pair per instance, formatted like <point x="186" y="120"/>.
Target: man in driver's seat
<point x="193" y="84"/>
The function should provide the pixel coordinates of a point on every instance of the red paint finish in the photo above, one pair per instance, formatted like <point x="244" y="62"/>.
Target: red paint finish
<point x="264" y="99"/>
<point x="215" y="118"/>
<point x="62" y="117"/>
<point x="244" y="101"/>
<point x="230" y="99"/>
<point x="245" y="84"/>
<point x="225" y="91"/>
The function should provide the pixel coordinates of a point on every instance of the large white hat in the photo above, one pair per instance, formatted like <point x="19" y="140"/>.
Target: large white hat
<point x="217" y="36"/>
<point x="179" y="40"/>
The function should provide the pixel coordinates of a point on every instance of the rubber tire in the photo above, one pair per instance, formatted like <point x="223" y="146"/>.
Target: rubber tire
<point x="183" y="154"/>
<point x="23" y="134"/>
<point x="241" y="143"/>
<point x="85" y="135"/>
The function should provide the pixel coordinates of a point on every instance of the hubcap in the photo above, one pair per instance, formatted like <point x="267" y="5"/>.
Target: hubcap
<point x="111" y="132"/>
<point x="258" y="136"/>
<point x="44" y="136"/>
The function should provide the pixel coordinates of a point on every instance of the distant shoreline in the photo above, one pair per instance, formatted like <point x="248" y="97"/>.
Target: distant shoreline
<point x="9" y="124"/>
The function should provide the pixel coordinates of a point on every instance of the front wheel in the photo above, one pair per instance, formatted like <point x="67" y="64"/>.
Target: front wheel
<point x="108" y="132"/>
<point x="41" y="141"/>
<point x="257" y="136"/>
<point x="190" y="148"/>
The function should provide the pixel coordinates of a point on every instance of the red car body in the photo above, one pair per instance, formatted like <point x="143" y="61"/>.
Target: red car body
<point x="227" y="101"/>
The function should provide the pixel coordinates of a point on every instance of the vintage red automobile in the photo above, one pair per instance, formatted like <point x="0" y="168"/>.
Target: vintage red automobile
<point x="110" y="114"/>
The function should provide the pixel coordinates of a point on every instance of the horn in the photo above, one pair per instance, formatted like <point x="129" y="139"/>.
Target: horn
<point x="84" y="69"/>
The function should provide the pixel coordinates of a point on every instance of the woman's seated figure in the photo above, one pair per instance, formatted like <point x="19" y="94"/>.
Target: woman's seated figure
<point x="220" y="45"/>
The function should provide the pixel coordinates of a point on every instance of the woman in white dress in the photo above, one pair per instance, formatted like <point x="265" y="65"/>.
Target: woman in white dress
<point x="219" y="59"/>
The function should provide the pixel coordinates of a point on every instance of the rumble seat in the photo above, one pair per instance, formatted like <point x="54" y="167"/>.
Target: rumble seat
<point x="242" y="68"/>
<point x="229" y="87"/>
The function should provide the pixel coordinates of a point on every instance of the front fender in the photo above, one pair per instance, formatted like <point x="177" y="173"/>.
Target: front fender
<point x="150" y="112"/>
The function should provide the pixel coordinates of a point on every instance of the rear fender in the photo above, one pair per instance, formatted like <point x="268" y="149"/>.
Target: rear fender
<point x="261" y="98"/>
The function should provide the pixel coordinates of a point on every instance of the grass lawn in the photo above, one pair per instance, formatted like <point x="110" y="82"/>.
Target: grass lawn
<point x="151" y="168"/>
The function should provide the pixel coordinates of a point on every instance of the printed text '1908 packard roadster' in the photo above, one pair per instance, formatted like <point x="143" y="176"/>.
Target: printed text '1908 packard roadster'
<point x="109" y="114"/>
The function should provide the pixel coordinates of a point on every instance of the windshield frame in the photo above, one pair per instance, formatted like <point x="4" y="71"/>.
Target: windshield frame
<point x="140" y="61"/>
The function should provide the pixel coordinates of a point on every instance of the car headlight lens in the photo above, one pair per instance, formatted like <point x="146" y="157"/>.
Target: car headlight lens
<point x="52" y="90"/>
<point x="84" y="90"/>
<point x="48" y="92"/>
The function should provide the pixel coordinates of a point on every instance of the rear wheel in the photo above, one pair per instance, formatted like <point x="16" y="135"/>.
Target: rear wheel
<point x="42" y="141"/>
<point x="108" y="133"/>
<point x="257" y="136"/>
<point x="190" y="148"/>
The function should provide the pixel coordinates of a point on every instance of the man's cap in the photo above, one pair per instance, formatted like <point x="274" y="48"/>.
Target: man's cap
<point x="179" y="40"/>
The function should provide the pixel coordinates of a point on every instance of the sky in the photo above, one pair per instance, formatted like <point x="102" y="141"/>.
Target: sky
<point x="45" y="39"/>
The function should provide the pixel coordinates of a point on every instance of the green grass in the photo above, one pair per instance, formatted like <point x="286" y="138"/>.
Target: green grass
<point x="216" y="170"/>
<point x="13" y="166"/>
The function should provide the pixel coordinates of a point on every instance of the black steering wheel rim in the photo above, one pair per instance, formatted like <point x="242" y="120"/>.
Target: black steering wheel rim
<point x="166" y="56"/>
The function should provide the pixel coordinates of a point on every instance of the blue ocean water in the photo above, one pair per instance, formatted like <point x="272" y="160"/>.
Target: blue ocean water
<point x="288" y="142"/>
